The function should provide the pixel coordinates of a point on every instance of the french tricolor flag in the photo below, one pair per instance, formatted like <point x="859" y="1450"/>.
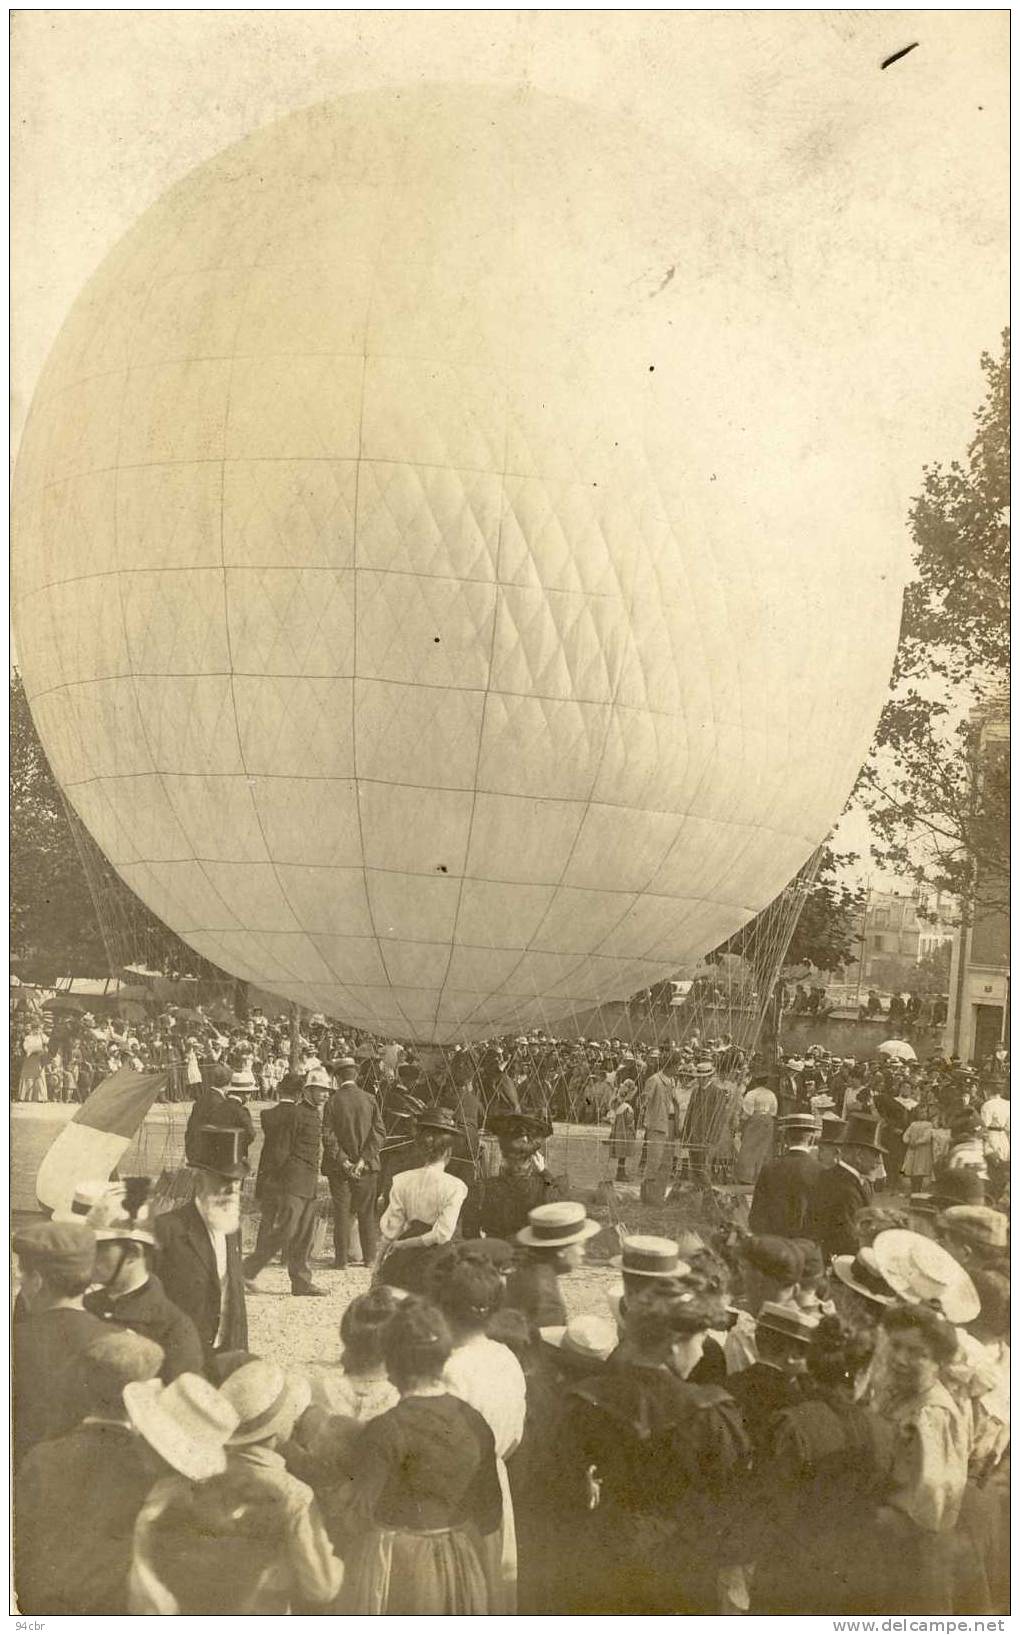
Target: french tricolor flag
<point x="97" y="1137"/>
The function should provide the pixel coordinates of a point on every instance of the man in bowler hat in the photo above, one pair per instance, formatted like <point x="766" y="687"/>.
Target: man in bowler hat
<point x="783" y="1191"/>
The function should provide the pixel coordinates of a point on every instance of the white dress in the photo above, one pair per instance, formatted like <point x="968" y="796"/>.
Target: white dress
<point x="488" y="1377"/>
<point x="995" y="1118"/>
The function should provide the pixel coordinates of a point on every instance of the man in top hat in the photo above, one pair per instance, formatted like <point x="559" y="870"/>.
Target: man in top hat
<point x="352" y="1141"/>
<point x="77" y="1495"/>
<point x="786" y="1185"/>
<point x="843" y="1190"/>
<point x="131" y="1294"/>
<point x="52" y="1330"/>
<point x="214" y="1109"/>
<point x="498" y="1206"/>
<point x="200" y="1244"/>
<point x="296" y="1183"/>
<point x="832" y="1132"/>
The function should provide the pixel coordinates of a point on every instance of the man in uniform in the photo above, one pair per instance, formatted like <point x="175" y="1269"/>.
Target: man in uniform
<point x="200" y="1244"/>
<point x="296" y="1178"/>
<point x="783" y="1190"/>
<point x="131" y="1294"/>
<point x="499" y="1205"/>
<point x="352" y="1142"/>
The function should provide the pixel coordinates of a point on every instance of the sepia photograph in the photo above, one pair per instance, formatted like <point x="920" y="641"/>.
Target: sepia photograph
<point x="509" y="796"/>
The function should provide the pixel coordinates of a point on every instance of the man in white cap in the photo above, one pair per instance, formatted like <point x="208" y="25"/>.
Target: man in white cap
<point x="297" y="1182"/>
<point x="131" y="1294"/>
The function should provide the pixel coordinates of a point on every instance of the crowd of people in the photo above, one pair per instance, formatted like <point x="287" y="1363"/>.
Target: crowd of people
<point x="809" y="1416"/>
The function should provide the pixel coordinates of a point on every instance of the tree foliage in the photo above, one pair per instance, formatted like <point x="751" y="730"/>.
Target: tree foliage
<point x="825" y="932"/>
<point x="55" y="927"/>
<point x="937" y="792"/>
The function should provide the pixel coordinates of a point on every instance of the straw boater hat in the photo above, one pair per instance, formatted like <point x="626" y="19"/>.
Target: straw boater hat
<point x="790" y="1321"/>
<point x="590" y="1338"/>
<point x="922" y="1272"/>
<point x="861" y="1273"/>
<point x="791" y="1122"/>
<point x="188" y="1422"/>
<point x="650" y="1257"/>
<point x="552" y="1226"/>
<point x="267" y="1400"/>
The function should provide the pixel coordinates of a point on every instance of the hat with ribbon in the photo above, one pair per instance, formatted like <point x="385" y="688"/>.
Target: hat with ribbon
<point x="267" y="1400"/>
<point x="790" y="1321"/>
<point x="590" y="1338"/>
<point x="124" y="1214"/>
<point x="975" y="1223"/>
<point x="86" y="1194"/>
<point x="650" y="1257"/>
<point x="439" y="1119"/>
<point x="861" y="1273"/>
<point x="704" y="1070"/>
<point x="221" y="1151"/>
<point x="797" y="1121"/>
<point x="921" y="1272"/>
<point x="188" y="1422"/>
<point x="552" y="1226"/>
<point x="508" y="1125"/>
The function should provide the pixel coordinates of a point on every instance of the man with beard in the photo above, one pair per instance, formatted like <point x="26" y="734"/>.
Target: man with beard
<point x="498" y="1207"/>
<point x="200" y="1243"/>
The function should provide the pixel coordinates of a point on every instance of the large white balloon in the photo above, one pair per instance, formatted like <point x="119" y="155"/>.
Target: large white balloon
<point x="453" y="583"/>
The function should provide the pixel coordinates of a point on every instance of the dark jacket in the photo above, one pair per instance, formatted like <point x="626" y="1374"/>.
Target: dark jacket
<point x="148" y="1311"/>
<point x="498" y="1205"/>
<point x="277" y="1124"/>
<point x="300" y="1151"/>
<point x="214" y="1110"/>
<point x="534" y="1288"/>
<point x="352" y="1130"/>
<point x="76" y="1500"/>
<point x="837" y="1200"/>
<point x="783" y="1193"/>
<point x="46" y="1352"/>
<point x="187" y="1270"/>
<point x="760" y="1392"/>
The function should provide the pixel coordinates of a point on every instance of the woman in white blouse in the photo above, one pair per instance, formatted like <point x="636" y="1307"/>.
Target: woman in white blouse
<point x="468" y="1289"/>
<point x="424" y="1207"/>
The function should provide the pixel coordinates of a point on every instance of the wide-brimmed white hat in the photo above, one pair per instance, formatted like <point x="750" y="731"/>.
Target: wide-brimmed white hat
<point x="188" y="1422"/>
<point x="267" y="1400"/>
<point x="552" y="1226"/>
<point x="587" y="1336"/>
<point x="922" y="1272"/>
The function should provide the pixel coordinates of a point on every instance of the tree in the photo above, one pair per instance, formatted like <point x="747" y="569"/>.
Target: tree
<point x="825" y="929"/>
<point x="55" y="928"/>
<point x="930" y="976"/>
<point x="937" y="794"/>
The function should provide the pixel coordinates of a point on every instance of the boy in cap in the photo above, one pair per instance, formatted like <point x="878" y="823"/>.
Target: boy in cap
<point x="73" y="1557"/>
<point x="56" y="1261"/>
<point x="200" y="1244"/>
<point x="131" y="1294"/>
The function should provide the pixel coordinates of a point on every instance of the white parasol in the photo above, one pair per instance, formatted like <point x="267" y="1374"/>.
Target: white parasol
<point x="898" y="1048"/>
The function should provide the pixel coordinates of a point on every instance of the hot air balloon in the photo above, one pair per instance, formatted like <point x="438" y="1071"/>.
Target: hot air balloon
<point x="451" y="584"/>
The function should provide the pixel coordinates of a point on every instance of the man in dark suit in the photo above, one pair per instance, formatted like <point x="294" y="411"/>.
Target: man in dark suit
<point x="783" y="1191"/>
<point x="298" y="1149"/>
<point x="277" y="1125"/>
<point x="843" y="1190"/>
<point x="352" y="1141"/>
<point x="214" y="1110"/>
<point x="200" y="1244"/>
<point x="783" y="1334"/>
